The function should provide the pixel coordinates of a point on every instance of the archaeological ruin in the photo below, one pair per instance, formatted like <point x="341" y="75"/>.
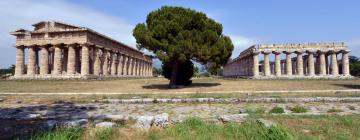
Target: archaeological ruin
<point x="58" y="50"/>
<point x="312" y="60"/>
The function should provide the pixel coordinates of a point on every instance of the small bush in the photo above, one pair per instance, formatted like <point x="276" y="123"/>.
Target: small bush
<point x="299" y="109"/>
<point x="278" y="110"/>
<point x="254" y="111"/>
<point x="333" y="110"/>
<point x="351" y="107"/>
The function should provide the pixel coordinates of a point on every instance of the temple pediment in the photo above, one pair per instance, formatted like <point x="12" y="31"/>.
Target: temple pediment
<point x="54" y="26"/>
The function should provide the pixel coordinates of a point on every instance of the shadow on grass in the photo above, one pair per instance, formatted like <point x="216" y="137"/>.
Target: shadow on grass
<point x="23" y="122"/>
<point x="348" y="86"/>
<point x="165" y="86"/>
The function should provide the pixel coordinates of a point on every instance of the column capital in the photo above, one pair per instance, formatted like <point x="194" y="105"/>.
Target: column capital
<point x="299" y="52"/>
<point x="276" y="52"/>
<point x="266" y="52"/>
<point x="310" y="51"/>
<point x="255" y="52"/>
<point x="288" y="52"/>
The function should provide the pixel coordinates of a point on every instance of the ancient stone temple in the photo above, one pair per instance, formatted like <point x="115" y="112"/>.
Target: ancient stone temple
<point x="62" y="51"/>
<point x="313" y="60"/>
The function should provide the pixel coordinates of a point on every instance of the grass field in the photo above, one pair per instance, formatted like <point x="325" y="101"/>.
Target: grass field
<point x="331" y="127"/>
<point x="160" y="85"/>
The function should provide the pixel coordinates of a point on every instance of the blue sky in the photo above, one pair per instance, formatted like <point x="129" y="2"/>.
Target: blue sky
<point x="246" y="22"/>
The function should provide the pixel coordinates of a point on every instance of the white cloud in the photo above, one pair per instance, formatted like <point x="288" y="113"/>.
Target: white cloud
<point x="240" y="44"/>
<point x="24" y="13"/>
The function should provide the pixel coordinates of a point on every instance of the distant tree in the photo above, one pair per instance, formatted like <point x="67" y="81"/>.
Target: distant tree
<point x="178" y="35"/>
<point x="354" y="65"/>
<point x="157" y="71"/>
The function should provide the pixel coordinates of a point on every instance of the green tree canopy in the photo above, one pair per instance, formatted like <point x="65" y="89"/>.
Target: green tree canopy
<point x="177" y="34"/>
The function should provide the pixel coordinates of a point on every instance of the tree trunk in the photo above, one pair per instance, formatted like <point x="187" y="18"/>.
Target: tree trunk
<point x="174" y="72"/>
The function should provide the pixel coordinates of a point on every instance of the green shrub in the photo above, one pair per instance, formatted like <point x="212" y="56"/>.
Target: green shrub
<point x="278" y="110"/>
<point x="299" y="109"/>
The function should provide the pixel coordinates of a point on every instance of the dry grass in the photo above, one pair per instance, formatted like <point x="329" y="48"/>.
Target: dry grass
<point x="160" y="85"/>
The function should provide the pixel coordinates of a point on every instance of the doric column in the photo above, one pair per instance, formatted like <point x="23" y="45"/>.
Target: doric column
<point x="20" y="61"/>
<point x="134" y="69"/>
<point x="71" y="65"/>
<point x="57" y="60"/>
<point x="31" y="62"/>
<point x="97" y="61"/>
<point x="106" y="62"/>
<point x="139" y="67"/>
<point x="277" y="63"/>
<point x="130" y="65"/>
<point x="85" y="60"/>
<point x="125" y="63"/>
<point x="327" y="63"/>
<point x="334" y="65"/>
<point x="44" y="67"/>
<point x="299" y="63"/>
<point x="255" y="67"/>
<point x="311" y="64"/>
<point x="113" y="64"/>
<point x="345" y="62"/>
<point x="288" y="64"/>
<point x="266" y="63"/>
<point x="322" y="63"/>
<point x="120" y="64"/>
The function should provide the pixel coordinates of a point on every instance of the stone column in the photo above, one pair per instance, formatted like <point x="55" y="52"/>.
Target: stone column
<point x="311" y="63"/>
<point x="113" y="64"/>
<point x="120" y="64"/>
<point x="85" y="60"/>
<point x="71" y="65"/>
<point x="345" y="62"/>
<point x="277" y="63"/>
<point x="97" y="62"/>
<point x="266" y="63"/>
<point x="288" y="64"/>
<point x="106" y="63"/>
<point x="44" y="67"/>
<point x="20" y="61"/>
<point x="255" y="67"/>
<point x="299" y="63"/>
<point x="134" y="65"/>
<point x="334" y="65"/>
<point x="139" y="68"/>
<point x="327" y="63"/>
<point x="130" y="65"/>
<point x="322" y="63"/>
<point x="125" y="67"/>
<point x="57" y="60"/>
<point x="31" y="61"/>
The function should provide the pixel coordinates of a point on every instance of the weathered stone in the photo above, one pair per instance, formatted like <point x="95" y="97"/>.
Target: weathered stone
<point x="238" y="118"/>
<point x="144" y="122"/>
<point x="76" y="123"/>
<point x="161" y="120"/>
<point x="106" y="124"/>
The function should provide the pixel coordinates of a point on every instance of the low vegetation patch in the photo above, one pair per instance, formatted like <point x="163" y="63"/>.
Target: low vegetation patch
<point x="333" y="110"/>
<point x="74" y="133"/>
<point x="278" y="110"/>
<point x="299" y="109"/>
<point x="332" y="127"/>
